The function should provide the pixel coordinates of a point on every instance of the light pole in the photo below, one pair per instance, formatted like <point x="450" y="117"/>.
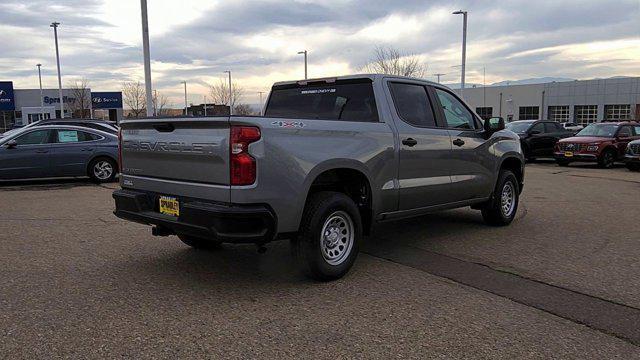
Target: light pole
<point x="155" y="103"/>
<point x="261" y="106"/>
<point x="185" y="98"/>
<point x="464" y="48"/>
<point x="147" y="57"/>
<point x="230" y="94"/>
<point x="54" y="25"/>
<point x="204" y="98"/>
<point x="438" y="76"/>
<point x="305" y="62"/>
<point x="41" y="99"/>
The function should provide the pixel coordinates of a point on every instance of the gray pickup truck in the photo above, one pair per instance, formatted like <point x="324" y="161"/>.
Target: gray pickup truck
<point x="329" y="159"/>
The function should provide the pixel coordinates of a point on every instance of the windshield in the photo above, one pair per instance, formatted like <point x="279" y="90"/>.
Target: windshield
<point x="518" y="127"/>
<point x="601" y="130"/>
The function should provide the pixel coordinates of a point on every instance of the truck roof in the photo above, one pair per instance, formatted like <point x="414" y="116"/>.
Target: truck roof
<point x="373" y="77"/>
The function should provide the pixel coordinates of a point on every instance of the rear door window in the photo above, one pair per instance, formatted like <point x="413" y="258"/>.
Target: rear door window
<point x="343" y="100"/>
<point x="412" y="104"/>
<point x="74" y="136"/>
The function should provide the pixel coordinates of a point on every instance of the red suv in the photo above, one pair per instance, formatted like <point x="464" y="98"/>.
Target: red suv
<point x="604" y="143"/>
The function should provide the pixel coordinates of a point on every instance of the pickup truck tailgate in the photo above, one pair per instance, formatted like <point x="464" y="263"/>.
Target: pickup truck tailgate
<point x="185" y="150"/>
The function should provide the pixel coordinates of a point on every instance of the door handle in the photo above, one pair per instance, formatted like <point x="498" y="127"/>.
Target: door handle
<point x="87" y="149"/>
<point x="42" y="151"/>
<point x="410" y="142"/>
<point x="458" y="142"/>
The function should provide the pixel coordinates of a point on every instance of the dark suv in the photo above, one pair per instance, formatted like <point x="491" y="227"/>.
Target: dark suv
<point x="538" y="137"/>
<point x="604" y="143"/>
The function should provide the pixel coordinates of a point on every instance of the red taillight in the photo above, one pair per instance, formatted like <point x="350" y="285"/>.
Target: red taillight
<point x="120" y="151"/>
<point x="242" y="165"/>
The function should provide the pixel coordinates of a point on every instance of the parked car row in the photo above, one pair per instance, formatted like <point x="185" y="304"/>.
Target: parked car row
<point x="603" y="143"/>
<point x="43" y="150"/>
<point x="101" y="125"/>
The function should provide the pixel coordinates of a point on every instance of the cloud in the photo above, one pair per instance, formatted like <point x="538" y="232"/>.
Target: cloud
<point x="258" y="40"/>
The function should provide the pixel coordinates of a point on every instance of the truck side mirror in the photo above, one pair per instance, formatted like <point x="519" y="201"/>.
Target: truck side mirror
<point x="11" y="144"/>
<point x="494" y="124"/>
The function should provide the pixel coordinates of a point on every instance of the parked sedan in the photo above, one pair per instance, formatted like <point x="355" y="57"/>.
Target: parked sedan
<point x="101" y="125"/>
<point x="59" y="151"/>
<point x="632" y="156"/>
<point x="538" y="137"/>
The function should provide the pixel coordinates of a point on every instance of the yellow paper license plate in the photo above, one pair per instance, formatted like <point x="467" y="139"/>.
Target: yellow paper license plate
<point x="169" y="205"/>
<point x="568" y="154"/>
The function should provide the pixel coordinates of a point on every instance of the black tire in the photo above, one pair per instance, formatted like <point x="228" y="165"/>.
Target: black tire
<point x="312" y="250"/>
<point x="199" y="243"/>
<point x="98" y="169"/>
<point x="633" y="166"/>
<point x="607" y="158"/>
<point x="562" y="162"/>
<point x="493" y="212"/>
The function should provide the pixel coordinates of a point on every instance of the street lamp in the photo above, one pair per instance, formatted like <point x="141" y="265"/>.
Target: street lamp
<point x="204" y="98"/>
<point x="55" y="25"/>
<point x="185" y="97"/>
<point x="464" y="47"/>
<point x="230" y="93"/>
<point x="41" y="99"/>
<point x="147" y="57"/>
<point x="261" y="106"/>
<point x="305" y="62"/>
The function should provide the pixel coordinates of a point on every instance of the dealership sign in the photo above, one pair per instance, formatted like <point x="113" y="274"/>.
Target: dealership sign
<point x="106" y="100"/>
<point x="7" y="102"/>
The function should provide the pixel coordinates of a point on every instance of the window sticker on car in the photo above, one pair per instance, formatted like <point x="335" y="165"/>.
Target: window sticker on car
<point x="318" y="91"/>
<point x="67" y="136"/>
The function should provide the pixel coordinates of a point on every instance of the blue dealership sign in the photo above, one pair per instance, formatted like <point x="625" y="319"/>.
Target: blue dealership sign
<point x="7" y="102"/>
<point x="106" y="100"/>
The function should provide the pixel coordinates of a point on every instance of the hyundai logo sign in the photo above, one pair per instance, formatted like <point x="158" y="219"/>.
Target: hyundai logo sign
<point x="7" y="102"/>
<point x="106" y="100"/>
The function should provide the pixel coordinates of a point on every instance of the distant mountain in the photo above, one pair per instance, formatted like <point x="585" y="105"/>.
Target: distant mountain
<point x="540" y="80"/>
<point x="466" y="85"/>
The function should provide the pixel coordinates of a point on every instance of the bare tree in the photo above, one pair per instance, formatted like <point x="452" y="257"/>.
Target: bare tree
<point x="79" y="102"/>
<point x="220" y="93"/>
<point x="160" y="104"/>
<point x="388" y="60"/>
<point x="243" y="109"/>
<point x="133" y="95"/>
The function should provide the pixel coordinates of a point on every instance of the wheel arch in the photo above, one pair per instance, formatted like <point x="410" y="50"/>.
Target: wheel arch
<point x="346" y="176"/>
<point x="516" y="166"/>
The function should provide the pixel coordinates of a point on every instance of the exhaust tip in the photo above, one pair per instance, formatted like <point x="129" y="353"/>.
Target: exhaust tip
<point x="160" y="231"/>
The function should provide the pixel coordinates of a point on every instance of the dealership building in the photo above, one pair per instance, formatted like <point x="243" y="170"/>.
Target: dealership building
<point x="19" y="107"/>
<point x="579" y="101"/>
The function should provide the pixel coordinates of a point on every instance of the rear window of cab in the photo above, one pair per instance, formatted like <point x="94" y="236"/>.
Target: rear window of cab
<point x="342" y="100"/>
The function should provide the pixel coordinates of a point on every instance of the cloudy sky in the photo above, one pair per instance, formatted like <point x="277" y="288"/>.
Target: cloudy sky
<point x="196" y="40"/>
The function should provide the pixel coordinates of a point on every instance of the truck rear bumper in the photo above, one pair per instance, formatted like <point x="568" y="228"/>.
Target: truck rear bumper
<point x="231" y="223"/>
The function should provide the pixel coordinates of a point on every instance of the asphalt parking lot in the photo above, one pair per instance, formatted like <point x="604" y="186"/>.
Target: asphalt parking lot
<point x="563" y="281"/>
